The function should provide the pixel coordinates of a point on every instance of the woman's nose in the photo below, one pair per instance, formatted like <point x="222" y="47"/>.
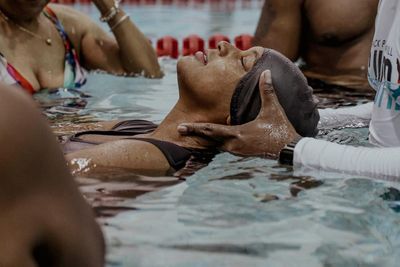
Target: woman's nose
<point x="224" y="48"/>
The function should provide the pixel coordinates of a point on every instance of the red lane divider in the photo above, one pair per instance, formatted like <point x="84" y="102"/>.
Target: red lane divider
<point x="243" y="41"/>
<point x="192" y="44"/>
<point x="168" y="45"/>
<point x="215" y="39"/>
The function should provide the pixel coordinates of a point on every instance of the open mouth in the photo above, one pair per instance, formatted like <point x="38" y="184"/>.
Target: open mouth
<point x="201" y="56"/>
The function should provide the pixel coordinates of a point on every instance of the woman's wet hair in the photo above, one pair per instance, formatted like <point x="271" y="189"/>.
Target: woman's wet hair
<point x="292" y="90"/>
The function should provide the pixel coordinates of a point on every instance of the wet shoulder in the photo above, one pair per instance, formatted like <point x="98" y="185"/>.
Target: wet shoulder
<point x="340" y="21"/>
<point x="73" y="21"/>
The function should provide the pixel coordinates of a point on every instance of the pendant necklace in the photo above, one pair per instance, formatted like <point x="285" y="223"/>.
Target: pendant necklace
<point x="48" y="41"/>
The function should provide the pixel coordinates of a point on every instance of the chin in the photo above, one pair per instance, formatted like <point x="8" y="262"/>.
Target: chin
<point x="183" y="69"/>
<point x="179" y="64"/>
<point x="188" y="65"/>
<point x="185" y="62"/>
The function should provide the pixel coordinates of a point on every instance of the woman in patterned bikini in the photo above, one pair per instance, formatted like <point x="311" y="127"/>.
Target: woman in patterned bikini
<point x="69" y="42"/>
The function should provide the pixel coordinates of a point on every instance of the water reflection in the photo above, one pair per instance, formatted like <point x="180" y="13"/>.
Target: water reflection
<point x="108" y="189"/>
<point x="236" y="211"/>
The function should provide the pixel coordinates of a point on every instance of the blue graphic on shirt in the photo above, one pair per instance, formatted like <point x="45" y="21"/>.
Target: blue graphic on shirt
<point x="383" y="72"/>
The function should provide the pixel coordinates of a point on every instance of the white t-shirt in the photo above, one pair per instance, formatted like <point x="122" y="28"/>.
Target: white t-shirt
<point x="384" y="75"/>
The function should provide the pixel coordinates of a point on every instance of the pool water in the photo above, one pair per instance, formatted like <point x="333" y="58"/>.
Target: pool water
<point x="236" y="211"/>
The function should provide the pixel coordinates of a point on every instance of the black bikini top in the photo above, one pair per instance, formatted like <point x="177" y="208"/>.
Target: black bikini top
<point x="177" y="156"/>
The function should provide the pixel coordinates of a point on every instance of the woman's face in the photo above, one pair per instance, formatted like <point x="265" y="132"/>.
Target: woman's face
<point x="207" y="80"/>
<point x="23" y="8"/>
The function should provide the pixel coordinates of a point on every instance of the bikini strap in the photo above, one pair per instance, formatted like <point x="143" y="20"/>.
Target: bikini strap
<point x="16" y="76"/>
<point x="71" y="56"/>
<point x="49" y="13"/>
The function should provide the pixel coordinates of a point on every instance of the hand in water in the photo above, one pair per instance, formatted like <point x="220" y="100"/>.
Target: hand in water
<point x="265" y="136"/>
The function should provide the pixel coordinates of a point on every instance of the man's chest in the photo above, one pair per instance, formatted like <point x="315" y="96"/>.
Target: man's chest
<point x="340" y="21"/>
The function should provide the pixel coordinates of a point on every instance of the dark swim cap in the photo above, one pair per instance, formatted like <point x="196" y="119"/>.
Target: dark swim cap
<point x="292" y="90"/>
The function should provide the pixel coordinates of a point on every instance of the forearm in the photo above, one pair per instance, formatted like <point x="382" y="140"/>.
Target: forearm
<point x="135" y="51"/>
<point x="315" y="154"/>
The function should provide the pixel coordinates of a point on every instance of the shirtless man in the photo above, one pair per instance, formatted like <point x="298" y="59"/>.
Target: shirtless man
<point x="332" y="37"/>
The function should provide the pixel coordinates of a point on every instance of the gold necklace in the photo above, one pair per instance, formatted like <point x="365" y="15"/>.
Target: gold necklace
<point x="7" y="19"/>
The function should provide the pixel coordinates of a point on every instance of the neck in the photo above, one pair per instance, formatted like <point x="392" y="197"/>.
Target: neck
<point x="28" y="20"/>
<point x="167" y="130"/>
